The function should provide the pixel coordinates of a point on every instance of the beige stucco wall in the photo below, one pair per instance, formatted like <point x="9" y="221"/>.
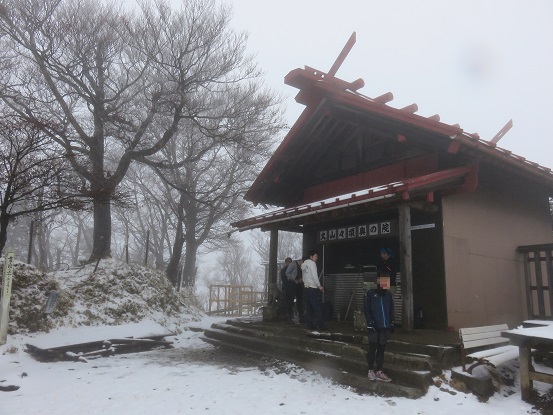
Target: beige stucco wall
<point x="484" y="274"/>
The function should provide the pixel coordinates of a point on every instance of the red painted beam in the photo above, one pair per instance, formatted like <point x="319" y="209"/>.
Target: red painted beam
<point x="342" y="56"/>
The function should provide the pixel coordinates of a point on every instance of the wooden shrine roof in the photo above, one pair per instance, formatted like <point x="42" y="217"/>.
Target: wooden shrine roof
<point x="336" y="113"/>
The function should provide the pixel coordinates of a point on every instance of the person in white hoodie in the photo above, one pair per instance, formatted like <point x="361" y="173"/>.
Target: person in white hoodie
<point x="313" y="291"/>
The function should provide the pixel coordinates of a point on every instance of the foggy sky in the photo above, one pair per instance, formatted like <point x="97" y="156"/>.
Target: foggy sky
<point x="475" y="63"/>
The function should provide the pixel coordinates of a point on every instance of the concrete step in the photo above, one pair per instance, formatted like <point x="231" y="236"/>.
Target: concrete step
<point x="312" y="361"/>
<point x="414" y="357"/>
<point x="340" y="358"/>
<point x="353" y="355"/>
<point x="401" y="357"/>
<point x="446" y="356"/>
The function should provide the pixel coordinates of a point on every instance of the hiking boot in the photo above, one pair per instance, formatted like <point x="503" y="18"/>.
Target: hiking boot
<point x="371" y="375"/>
<point x="381" y="376"/>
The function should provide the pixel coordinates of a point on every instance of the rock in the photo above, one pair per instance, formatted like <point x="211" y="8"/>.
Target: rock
<point x="448" y="391"/>
<point x="9" y="388"/>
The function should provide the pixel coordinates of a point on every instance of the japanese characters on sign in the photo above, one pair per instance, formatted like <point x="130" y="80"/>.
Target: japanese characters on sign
<point x="51" y="303"/>
<point x="6" y="294"/>
<point x="366" y="230"/>
<point x="7" y="280"/>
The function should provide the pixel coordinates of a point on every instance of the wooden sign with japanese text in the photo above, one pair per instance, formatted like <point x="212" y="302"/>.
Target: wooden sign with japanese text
<point x="380" y="229"/>
<point x="6" y="295"/>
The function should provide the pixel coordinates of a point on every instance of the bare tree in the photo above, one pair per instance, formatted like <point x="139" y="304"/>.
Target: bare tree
<point x="114" y="85"/>
<point x="34" y="177"/>
<point x="209" y="186"/>
<point x="236" y="266"/>
<point x="289" y="244"/>
<point x="148" y="212"/>
<point x="78" y="224"/>
<point x="67" y="238"/>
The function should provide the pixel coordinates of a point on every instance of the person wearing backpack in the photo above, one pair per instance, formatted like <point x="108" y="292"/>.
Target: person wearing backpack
<point x="295" y="278"/>
<point x="287" y="290"/>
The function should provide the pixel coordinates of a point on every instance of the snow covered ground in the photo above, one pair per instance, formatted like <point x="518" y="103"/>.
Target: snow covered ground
<point x="191" y="378"/>
<point x="194" y="377"/>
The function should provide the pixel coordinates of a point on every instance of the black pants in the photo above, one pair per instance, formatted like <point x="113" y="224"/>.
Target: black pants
<point x="377" y="345"/>
<point x="290" y="296"/>
<point x="313" y="316"/>
<point x="299" y="300"/>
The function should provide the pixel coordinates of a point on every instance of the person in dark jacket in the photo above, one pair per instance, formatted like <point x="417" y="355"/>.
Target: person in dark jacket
<point x="293" y="273"/>
<point x="386" y="266"/>
<point x="288" y="289"/>
<point x="378" y="306"/>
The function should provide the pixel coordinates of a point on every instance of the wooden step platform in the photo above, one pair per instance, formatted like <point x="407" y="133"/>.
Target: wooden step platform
<point x="88" y="342"/>
<point x="338" y="353"/>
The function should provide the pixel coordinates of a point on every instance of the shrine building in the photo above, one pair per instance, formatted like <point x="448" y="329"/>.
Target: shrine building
<point x="355" y="174"/>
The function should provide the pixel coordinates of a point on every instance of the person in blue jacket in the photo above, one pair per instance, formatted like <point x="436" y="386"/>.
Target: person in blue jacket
<point x="385" y="266"/>
<point x="378" y="306"/>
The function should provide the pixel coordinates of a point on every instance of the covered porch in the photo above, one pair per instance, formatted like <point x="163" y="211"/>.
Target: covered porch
<point x="355" y="174"/>
<point x="349" y="228"/>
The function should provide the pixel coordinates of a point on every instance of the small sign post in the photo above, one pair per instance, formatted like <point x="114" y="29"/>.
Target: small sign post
<point x="6" y="295"/>
<point x="51" y="303"/>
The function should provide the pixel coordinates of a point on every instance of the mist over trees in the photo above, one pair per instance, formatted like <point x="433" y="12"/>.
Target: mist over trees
<point x="243" y="260"/>
<point x="156" y="112"/>
<point x="34" y="177"/>
<point x="289" y="244"/>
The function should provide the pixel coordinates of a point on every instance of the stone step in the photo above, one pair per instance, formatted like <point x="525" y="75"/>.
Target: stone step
<point x="446" y="356"/>
<point x="312" y="361"/>
<point x="312" y="352"/>
<point x="352" y="346"/>
<point x="354" y="353"/>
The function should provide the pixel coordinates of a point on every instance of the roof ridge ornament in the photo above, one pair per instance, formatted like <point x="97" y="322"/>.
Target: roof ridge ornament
<point x="501" y="132"/>
<point x="343" y="55"/>
<point x="330" y="76"/>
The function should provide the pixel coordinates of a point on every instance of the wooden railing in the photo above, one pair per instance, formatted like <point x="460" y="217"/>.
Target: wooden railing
<point x="538" y="277"/>
<point x="235" y="300"/>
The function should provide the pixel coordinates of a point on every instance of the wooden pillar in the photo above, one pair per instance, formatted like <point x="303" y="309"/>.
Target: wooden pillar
<point x="273" y="266"/>
<point x="539" y="284"/>
<point x="549" y="277"/>
<point x="528" y="285"/>
<point x="525" y="362"/>
<point x="406" y="266"/>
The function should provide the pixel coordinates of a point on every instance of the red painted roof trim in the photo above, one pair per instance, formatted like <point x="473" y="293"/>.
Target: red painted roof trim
<point x="362" y="102"/>
<point x="392" y="190"/>
<point x="498" y="153"/>
<point x="316" y="86"/>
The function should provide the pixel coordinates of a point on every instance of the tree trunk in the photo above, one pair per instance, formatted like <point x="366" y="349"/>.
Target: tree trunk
<point x="172" y="270"/>
<point x="42" y="246"/>
<point x="191" y="251"/>
<point x="101" y="245"/>
<point x="4" y="222"/>
<point x="190" y="256"/>
<point x="192" y="244"/>
<point x="57" y="265"/>
<point x="160" y="261"/>
<point x="77" y="246"/>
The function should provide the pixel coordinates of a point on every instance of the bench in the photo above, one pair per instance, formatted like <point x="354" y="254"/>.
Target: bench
<point x="491" y="349"/>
